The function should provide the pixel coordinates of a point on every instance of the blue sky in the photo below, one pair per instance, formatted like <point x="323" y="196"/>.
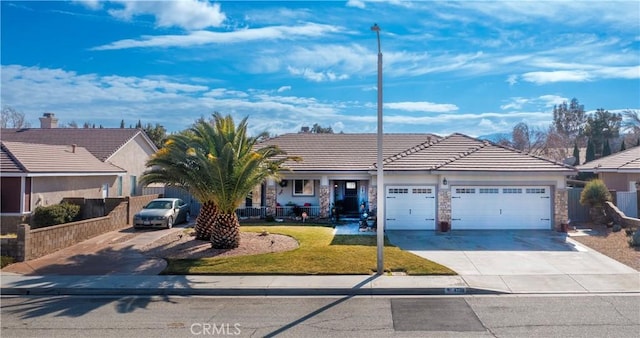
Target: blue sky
<point x="475" y="67"/>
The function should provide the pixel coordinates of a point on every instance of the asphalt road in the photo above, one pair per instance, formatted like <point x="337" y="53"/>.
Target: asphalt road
<point x="437" y="316"/>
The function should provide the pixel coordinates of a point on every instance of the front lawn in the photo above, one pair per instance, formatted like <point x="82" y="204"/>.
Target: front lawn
<point x="319" y="253"/>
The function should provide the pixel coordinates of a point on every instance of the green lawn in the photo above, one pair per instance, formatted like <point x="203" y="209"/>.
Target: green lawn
<point x="319" y="253"/>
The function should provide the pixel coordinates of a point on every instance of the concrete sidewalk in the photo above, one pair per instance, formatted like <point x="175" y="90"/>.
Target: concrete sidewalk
<point x="13" y="284"/>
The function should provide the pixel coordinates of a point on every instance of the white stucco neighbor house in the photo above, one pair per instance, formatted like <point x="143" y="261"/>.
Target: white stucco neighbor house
<point x="466" y="182"/>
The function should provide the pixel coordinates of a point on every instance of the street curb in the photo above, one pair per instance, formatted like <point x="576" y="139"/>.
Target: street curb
<point x="246" y="291"/>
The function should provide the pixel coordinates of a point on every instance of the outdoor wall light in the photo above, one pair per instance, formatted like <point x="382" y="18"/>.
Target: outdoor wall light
<point x="444" y="181"/>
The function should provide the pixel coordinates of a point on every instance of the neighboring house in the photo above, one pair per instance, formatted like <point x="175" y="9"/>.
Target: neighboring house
<point x="42" y="165"/>
<point x="619" y="171"/>
<point x="466" y="182"/>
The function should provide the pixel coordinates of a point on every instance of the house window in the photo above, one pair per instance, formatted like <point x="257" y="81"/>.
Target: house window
<point x="398" y="191"/>
<point x="465" y="191"/>
<point x="303" y="188"/>
<point x="536" y="190"/>
<point x="119" y="185"/>
<point x="488" y="190"/>
<point x="421" y="191"/>
<point x="512" y="191"/>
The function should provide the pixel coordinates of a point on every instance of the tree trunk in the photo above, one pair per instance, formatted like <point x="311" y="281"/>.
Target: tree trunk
<point x="205" y="221"/>
<point x="226" y="232"/>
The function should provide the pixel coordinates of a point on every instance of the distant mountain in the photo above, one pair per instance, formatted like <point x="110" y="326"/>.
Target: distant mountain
<point x="495" y="137"/>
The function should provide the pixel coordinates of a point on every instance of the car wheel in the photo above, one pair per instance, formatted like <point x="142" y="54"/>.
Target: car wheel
<point x="170" y="222"/>
<point x="187" y="217"/>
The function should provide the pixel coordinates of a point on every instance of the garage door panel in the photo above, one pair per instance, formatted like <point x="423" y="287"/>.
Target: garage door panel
<point x="410" y="207"/>
<point x="500" y="207"/>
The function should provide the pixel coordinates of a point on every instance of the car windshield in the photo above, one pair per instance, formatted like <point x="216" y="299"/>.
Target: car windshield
<point x="158" y="205"/>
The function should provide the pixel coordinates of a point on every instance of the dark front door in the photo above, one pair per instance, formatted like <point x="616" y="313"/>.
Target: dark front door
<point x="351" y="197"/>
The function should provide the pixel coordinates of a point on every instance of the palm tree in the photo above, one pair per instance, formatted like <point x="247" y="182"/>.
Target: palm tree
<point x="219" y="164"/>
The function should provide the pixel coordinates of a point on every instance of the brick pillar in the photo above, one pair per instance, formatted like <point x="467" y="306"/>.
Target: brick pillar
<point x="444" y="205"/>
<point x="324" y="201"/>
<point x="24" y="243"/>
<point x="560" y="207"/>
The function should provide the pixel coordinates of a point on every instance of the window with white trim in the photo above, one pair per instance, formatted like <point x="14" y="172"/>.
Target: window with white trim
<point x="512" y="191"/>
<point x="421" y="190"/>
<point x="303" y="188"/>
<point x="465" y="190"/>
<point x="536" y="190"/>
<point x="489" y="190"/>
<point x="398" y="190"/>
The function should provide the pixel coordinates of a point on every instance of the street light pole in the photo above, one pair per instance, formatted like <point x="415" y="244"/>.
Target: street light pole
<point x="380" y="173"/>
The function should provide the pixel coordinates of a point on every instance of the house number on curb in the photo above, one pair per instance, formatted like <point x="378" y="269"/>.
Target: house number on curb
<point x="449" y="291"/>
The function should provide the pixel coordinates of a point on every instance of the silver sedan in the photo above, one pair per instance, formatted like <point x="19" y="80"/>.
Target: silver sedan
<point x="162" y="213"/>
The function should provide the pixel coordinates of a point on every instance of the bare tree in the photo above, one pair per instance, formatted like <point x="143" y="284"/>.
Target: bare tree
<point x="12" y="118"/>
<point x="528" y="139"/>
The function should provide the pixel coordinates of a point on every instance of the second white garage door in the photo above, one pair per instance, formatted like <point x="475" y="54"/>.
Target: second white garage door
<point x="500" y="207"/>
<point x="410" y="207"/>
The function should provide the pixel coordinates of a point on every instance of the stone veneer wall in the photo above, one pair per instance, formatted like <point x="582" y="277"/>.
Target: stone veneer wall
<point x="444" y="206"/>
<point x="373" y="197"/>
<point x="36" y="243"/>
<point x="560" y="207"/>
<point x="270" y="199"/>
<point x="325" y="194"/>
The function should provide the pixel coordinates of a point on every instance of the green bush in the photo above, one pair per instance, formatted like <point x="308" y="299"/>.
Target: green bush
<point x="6" y="260"/>
<point x="55" y="214"/>
<point x="595" y="194"/>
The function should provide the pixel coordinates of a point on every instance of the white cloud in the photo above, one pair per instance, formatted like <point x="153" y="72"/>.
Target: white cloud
<point x="284" y="89"/>
<point x="356" y="3"/>
<point x="515" y="103"/>
<point x="557" y="76"/>
<point x="422" y="106"/>
<point x="552" y="100"/>
<point x="202" y="37"/>
<point x="314" y="76"/>
<point x="188" y="14"/>
<point x="512" y="79"/>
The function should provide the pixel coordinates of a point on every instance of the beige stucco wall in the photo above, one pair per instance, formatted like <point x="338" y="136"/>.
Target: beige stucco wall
<point x="618" y="182"/>
<point x="132" y="158"/>
<point x="51" y="190"/>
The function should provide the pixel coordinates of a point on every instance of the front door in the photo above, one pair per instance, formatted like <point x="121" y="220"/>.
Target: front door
<point x="351" y="198"/>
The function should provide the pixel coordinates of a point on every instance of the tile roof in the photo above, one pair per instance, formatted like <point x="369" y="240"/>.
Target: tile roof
<point x="408" y="152"/>
<point x="342" y="152"/>
<point x="458" y="152"/>
<point x="8" y="164"/>
<point x="101" y="142"/>
<point x="44" y="158"/>
<point x="624" y="161"/>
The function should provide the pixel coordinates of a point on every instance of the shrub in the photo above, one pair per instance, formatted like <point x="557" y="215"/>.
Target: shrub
<point x="634" y="240"/>
<point x="55" y="214"/>
<point x="6" y="260"/>
<point x="595" y="194"/>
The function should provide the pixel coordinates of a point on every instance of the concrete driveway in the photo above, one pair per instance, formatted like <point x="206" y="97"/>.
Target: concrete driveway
<point x="505" y="253"/>
<point x="112" y="253"/>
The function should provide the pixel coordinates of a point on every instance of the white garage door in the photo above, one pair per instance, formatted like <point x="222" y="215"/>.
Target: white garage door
<point x="410" y="207"/>
<point x="500" y="207"/>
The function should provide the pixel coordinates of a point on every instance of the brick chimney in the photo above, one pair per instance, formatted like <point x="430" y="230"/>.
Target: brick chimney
<point x="48" y="121"/>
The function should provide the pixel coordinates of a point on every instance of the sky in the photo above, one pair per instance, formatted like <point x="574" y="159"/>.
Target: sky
<point x="474" y="67"/>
